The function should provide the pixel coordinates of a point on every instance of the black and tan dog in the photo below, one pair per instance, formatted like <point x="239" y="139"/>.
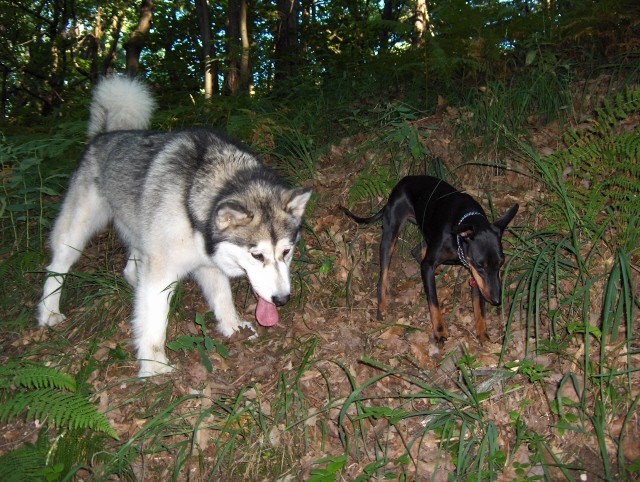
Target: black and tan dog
<point x="456" y="231"/>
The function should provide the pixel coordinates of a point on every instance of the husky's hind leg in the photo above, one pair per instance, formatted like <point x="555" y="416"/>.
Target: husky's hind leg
<point x="217" y="290"/>
<point x="156" y="285"/>
<point x="131" y="269"/>
<point x="84" y="213"/>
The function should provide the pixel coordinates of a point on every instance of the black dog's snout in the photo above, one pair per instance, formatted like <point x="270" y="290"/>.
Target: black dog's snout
<point x="496" y="293"/>
<point x="494" y="296"/>
<point x="280" y="300"/>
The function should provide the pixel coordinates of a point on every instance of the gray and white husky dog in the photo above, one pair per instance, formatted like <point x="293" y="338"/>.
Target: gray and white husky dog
<point x="190" y="202"/>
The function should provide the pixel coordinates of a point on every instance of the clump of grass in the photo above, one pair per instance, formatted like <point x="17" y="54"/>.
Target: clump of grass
<point x="538" y="94"/>
<point x="406" y="152"/>
<point x="32" y="181"/>
<point x="576" y="271"/>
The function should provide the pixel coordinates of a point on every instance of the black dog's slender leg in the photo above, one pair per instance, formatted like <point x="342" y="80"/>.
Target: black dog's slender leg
<point x="390" y="232"/>
<point x="440" y="332"/>
<point x="478" y="312"/>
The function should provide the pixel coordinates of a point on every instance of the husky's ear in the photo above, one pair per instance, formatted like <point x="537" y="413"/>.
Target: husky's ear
<point x="298" y="201"/>
<point x="501" y="223"/>
<point x="232" y="214"/>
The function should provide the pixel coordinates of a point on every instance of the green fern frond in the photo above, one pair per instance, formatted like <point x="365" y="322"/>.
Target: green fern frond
<point x="25" y="464"/>
<point x="43" y="393"/>
<point x="53" y="460"/>
<point x="370" y="185"/>
<point x="34" y="376"/>
<point x="605" y="161"/>
<point x="609" y="115"/>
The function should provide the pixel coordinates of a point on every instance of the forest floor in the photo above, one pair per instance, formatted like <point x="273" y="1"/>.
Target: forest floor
<point x="330" y="341"/>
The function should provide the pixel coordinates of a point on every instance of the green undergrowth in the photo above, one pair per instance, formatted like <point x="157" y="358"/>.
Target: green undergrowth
<point x="73" y="430"/>
<point x="397" y="127"/>
<point x="499" y="110"/>
<point x="592" y="204"/>
<point x="575" y="276"/>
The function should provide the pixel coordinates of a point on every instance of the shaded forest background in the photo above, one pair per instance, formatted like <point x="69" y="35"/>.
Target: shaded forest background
<point x="352" y="51"/>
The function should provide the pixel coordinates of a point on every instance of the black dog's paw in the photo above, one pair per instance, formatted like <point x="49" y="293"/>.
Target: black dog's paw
<point x="440" y="341"/>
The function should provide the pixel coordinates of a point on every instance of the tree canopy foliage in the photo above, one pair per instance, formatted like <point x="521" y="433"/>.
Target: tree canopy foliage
<point x="52" y="49"/>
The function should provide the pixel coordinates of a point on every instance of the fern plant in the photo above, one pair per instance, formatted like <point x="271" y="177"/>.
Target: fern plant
<point x="369" y="185"/>
<point x="603" y="160"/>
<point x="27" y="462"/>
<point x="38" y="392"/>
<point x="44" y="393"/>
<point x="28" y="180"/>
<point x="594" y="202"/>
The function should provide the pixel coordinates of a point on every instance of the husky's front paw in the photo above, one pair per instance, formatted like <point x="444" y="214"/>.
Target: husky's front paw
<point x="151" y="368"/>
<point x="229" y="328"/>
<point x="49" y="318"/>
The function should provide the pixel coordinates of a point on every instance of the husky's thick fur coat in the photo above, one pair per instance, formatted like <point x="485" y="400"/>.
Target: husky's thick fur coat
<point x="190" y="202"/>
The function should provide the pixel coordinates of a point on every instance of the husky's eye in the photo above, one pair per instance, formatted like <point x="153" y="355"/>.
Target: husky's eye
<point x="258" y="256"/>
<point x="285" y="253"/>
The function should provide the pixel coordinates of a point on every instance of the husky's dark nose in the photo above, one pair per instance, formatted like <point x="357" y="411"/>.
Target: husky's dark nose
<point x="280" y="300"/>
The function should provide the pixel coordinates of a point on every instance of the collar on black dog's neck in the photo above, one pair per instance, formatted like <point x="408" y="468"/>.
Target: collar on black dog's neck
<point x="461" y="256"/>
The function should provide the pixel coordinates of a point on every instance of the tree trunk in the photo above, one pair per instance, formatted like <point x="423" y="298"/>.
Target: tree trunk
<point x="245" y="67"/>
<point x="287" y="45"/>
<point x="135" y="44"/>
<point x="59" y="44"/>
<point x="5" y="93"/>
<point x="387" y="14"/>
<point x="422" y="26"/>
<point x="93" y="48"/>
<point x="232" y="76"/>
<point x="421" y="22"/>
<point x="116" y="31"/>
<point x="210" y="68"/>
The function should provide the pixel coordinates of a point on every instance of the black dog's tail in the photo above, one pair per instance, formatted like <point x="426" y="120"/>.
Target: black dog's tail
<point x="371" y="219"/>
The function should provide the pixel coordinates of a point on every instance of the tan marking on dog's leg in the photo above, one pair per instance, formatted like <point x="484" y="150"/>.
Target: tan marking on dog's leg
<point x="383" y="283"/>
<point x="479" y="293"/>
<point x="423" y="251"/>
<point x="440" y="332"/>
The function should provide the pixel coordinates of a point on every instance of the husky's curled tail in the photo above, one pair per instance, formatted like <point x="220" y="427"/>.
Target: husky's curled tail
<point x="120" y="103"/>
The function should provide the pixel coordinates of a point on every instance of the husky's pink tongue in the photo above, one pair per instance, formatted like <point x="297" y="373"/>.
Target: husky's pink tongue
<point x="266" y="313"/>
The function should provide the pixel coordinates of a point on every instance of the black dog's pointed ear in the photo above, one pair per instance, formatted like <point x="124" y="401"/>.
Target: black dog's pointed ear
<point x="502" y="223"/>
<point x="464" y="231"/>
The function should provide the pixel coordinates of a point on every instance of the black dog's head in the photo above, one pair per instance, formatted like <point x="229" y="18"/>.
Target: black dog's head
<point x="481" y="244"/>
